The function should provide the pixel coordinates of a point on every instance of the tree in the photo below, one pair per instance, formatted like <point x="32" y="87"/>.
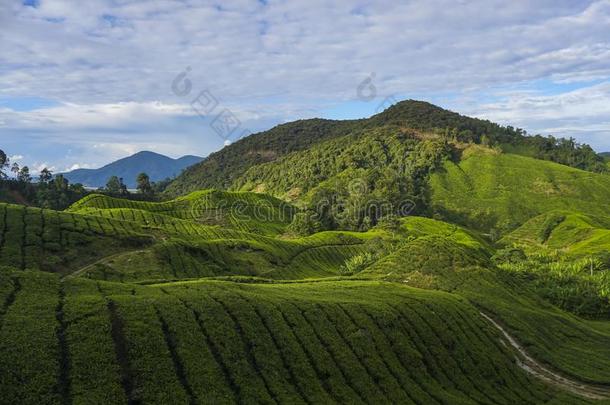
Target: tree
<point x="77" y="188"/>
<point x="144" y="185"/>
<point x="113" y="186"/>
<point x="45" y="176"/>
<point x="122" y="187"/>
<point x="15" y="169"/>
<point x="61" y="183"/>
<point x="24" y="175"/>
<point x="160" y="186"/>
<point x="304" y="224"/>
<point x="3" y="163"/>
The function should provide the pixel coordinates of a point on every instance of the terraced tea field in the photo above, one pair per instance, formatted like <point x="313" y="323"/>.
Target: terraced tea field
<point x="226" y="342"/>
<point x="502" y="191"/>
<point x="188" y="301"/>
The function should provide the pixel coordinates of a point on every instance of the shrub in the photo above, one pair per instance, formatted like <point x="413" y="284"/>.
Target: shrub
<point x="304" y="224"/>
<point x="356" y="264"/>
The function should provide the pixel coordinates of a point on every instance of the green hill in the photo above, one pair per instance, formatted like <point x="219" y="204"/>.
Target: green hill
<point x="358" y="156"/>
<point x="226" y="168"/>
<point x="198" y="312"/>
<point x="34" y="238"/>
<point x="439" y="256"/>
<point x="573" y="233"/>
<point x="488" y="190"/>
<point x="567" y="256"/>
<point x="219" y="169"/>
<point x="213" y="233"/>
<point x="246" y="211"/>
<point x="221" y="342"/>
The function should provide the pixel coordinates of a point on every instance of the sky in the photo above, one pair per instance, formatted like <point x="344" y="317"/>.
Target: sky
<point x="83" y="83"/>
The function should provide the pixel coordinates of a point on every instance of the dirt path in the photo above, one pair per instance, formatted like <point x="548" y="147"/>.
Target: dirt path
<point x="103" y="259"/>
<point x="526" y="362"/>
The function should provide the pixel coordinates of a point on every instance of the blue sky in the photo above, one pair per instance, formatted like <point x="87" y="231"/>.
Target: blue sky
<point x="85" y="83"/>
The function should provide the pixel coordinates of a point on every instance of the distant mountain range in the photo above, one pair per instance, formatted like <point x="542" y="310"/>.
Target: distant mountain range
<point x="157" y="166"/>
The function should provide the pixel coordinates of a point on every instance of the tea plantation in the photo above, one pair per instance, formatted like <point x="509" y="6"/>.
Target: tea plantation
<point x="209" y="298"/>
<point x="85" y="341"/>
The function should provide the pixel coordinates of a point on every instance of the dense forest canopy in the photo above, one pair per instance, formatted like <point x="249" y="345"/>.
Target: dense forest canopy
<point x="223" y="168"/>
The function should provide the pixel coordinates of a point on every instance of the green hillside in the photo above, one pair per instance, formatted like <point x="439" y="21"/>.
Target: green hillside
<point x="224" y="169"/>
<point x="445" y="257"/>
<point x="211" y="234"/>
<point x="245" y="211"/>
<point x="220" y="169"/>
<point x="567" y="255"/>
<point x="34" y="238"/>
<point x="222" y="342"/>
<point x="182" y="309"/>
<point x="488" y="190"/>
<point x="382" y="150"/>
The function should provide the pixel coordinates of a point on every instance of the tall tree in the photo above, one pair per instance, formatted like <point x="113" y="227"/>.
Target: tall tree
<point x="24" y="175"/>
<point x="113" y="186"/>
<point x="61" y="183"/>
<point x="123" y="187"/>
<point x="15" y="169"/>
<point x="144" y="185"/>
<point x="45" y="176"/>
<point x="4" y="160"/>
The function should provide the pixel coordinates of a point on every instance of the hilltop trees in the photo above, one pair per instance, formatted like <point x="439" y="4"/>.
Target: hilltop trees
<point x="113" y="185"/>
<point x="15" y="169"/>
<point x="23" y="175"/>
<point x="57" y="192"/>
<point x="565" y="151"/>
<point x="45" y="175"/>
<point x="47" y="192"/>
<point x="144" y="185"/>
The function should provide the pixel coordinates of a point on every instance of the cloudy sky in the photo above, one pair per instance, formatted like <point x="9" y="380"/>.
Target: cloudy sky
<point x="85" y="82"/>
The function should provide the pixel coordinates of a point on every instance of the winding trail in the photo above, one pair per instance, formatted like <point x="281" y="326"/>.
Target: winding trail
<point x="526" y="362"/>
<point x="103" y="259"/>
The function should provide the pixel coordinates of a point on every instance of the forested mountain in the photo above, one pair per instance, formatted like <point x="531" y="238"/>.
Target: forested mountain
<point x="157" y="166"/>
<point x="223" y="168"/>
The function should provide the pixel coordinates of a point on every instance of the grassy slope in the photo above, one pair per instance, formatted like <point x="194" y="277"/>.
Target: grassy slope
<point x="574" y="233"/>
<point x="567" y="259"/>
<point x="487" y="190"/>
<point x="34" y="238"/>
<point x="449" y="258"/>
<point x="343" y="340"/>
<point x="244" y="211"/>
<point x="195" y="245"/>
<point x="222" y="342"/>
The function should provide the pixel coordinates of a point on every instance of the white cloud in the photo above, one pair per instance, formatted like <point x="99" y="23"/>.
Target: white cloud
<point x="114" y="115"/>
<point x="37" y="167"/>
<point x="15" y="158"/>
<point x="583" y="113"/>
<point x="76" y="166"/>
<point x="110" y="66"/>
<point x="309" y="50"/>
